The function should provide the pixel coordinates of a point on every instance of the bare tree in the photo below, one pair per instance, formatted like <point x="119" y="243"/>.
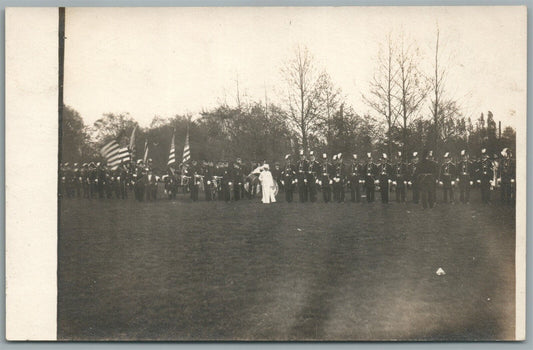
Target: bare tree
<point x="304" y="93"/>
<point x="411" y="89"/>
<point x="383" y="88"/>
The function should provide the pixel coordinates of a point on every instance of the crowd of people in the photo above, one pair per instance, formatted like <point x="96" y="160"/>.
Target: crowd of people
<point x="334" y="177"/>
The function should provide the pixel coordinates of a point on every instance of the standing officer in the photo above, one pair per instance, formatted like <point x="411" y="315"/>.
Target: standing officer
<point x="485" y="175"/>
<point x="100" y="177"/>
<point x="425" y="174"/>
<point x="339" y="179"/>
<point x="238" y="178"/>
<point x="400" y="178"/>
<point x="465" y="169"/>
<point x="385" y="172"/>
<point x="301" y="177"/>
<point x="84" y="174"/>
<point x="355" y="178"/>
<point x="371" y="171"/>
<point x="276" y="175"/>
<point x="446" y="178"/>
<point x="507" y="176"/>
<point x="325" y="181"/>
<point x="412" y="178"/>
<point x="312" y="170"/>
<point x="139" y="181"/>
<point x="288" y="177"/>
<point x="77" y="181"/>
<point x="194" y="174"/>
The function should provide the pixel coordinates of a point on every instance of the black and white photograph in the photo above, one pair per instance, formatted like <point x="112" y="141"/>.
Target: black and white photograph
<point x="290" y="174"/>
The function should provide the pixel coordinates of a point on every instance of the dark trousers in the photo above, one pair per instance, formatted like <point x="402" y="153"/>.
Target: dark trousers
<point x="311" y="187"/>
<point x="506" y="192"/>
<point x="288" y="193"/>
<point x="355" y="190"/>
<point x="194" y="192"/>
<point x="485" y="190"/>
<point x="338" y="191"/>
<point x="302" y="189"/>
<point x="384" y="189"/>
<point x="400" y="192"/>
<point x="370" y="192"/>
<point x="427" y="198"/>
<point x="416" y="193"/>
<point x="447" y="190"/>
<point x="139" y="191"/>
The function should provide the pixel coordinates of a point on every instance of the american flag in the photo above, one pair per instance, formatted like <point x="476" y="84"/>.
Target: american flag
<point x="132" y="142"/>
<point x="172" y="154"/>
<point x="115" y="155"/>
<point x="146" y="150"/>
<point x="186" y="149"/>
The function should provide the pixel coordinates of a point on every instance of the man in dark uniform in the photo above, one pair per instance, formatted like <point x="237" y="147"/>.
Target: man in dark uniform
<point x="312" y="171"/>
<point x="435" y="172"/>
<point x="507" y="171"/>
<point x="93" y="181"/>
<point x="464" y="170"/>
<point x="446" y="178"/>
<point x="485" y="175"/>
<point x="301" y="176"/>
<point x="288" y="176"/>
<point x="194" y="174"/>
<point x="139" y="181"/>
<point x="339" y="179"/>
<point x="400" y="178"/>
<point x="100" y="177"/>
<point x="371" y="171"/>
<point x="238" y="178"/>
<point x="385" y="172"/>
<point x="412" y="178"/>
<point x="425" y="175"/>
<point x="356" y="173"/>
<point x="209" y="173"/>
<point x="276" y="175"/>
<point x="326" y="172"/>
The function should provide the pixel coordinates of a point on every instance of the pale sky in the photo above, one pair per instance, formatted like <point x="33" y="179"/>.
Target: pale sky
<point x="168" y="61"/>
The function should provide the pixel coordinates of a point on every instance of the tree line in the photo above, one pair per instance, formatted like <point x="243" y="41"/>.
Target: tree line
<point x="410" y="110"/>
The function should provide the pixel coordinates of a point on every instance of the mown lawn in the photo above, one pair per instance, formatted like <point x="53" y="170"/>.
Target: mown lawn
<point x="177" y="270"/>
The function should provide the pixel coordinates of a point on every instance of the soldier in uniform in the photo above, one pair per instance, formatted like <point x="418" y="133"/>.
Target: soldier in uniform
<point x="333" y="171"/>
<point x="326" y="171"/>
<point x="400" y="178"/>
<point x="301" y="176"/>
<point x="209" y="173"/>
<point x="412" y="178"/>
<point x="238" y="178"/>
<point x="139" y="181"/>
<point x="194" y="174"/>
<point x="288" y="176"/>
<point x="425" y="175"/>
<point x="485" y="175"/>
<point x="371" y="171"/>
<point x="93" y="181"/>
<point x="356" y="172"/>
<point x="446" y="177"/>
<point x="276" y="174"/>
<point x="464" y="170"/>
<point x="312" y="171"/>
<point x="385" y="172"/>
<point x="339" y="179"/>
<point x="507" y="176"/>
<point x="435" y="173"/>
<point x="100" y="177"/>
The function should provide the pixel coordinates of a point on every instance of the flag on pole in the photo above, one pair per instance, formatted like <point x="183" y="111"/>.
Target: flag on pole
<point x="186" y="149"/>
<point x="111" y="152"/>
<point x="132" y="142"/>
<point x="172" y="153"/>
<point x="145" y="158"/>
<point x="125" y="155"/>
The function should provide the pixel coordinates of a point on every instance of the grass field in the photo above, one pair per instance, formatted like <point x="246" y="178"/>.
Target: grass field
<point x="177" y="270"/>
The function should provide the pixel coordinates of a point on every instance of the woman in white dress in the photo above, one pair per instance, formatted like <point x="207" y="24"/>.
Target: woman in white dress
<point x="267" y="185"/>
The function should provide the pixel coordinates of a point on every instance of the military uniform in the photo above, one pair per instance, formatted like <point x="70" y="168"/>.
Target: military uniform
<point x="338" y="181"/>
<point x="507" y="176"/>
<point x="426" y="178"/>
<point x="485" y="175"/>
<point x="288" y="176"/>
<point x="139" y="182"/>
<point x="356" y="173"/>
<point x="447" y="175"/>
<point x="238" y="179"/>
<point x="302" y="167"/>
<point x="465" y="169"/>
<point x="326" y="172"/>
<point x="385" y="172"/>
<point x="312" y="171"/>
<point x="400" y="178"/>
<point x="194" y="173"/>
<point x="371" y="171"/>
<point x="411" y="171"/>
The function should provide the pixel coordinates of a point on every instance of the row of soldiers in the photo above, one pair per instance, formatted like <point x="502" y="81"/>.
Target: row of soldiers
<point x="306" y="175"/>
<point x="423" y="175"/>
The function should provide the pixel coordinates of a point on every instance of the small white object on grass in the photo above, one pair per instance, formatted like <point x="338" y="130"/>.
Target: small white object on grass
<point x="299" y="229"/>
<point x="440" y="272"/>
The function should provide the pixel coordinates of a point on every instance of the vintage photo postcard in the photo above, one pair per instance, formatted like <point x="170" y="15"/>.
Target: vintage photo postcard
<point x="266" y="174"/>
